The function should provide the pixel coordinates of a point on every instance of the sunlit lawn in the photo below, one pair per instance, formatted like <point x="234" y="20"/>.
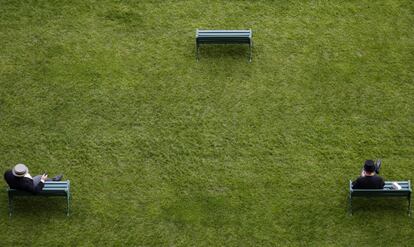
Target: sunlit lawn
<point x="162" y="150"/>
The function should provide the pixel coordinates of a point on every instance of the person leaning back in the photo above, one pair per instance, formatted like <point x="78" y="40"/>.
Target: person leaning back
<point x="19" y="178"/>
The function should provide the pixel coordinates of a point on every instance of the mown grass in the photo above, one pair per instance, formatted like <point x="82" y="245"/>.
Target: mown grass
<point x="162" y="150"/>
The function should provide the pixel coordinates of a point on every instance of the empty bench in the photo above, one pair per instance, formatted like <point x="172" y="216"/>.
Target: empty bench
<point x="224" y="37"/>
<point x="387" y="191"/>
<point x="51" y="188"/>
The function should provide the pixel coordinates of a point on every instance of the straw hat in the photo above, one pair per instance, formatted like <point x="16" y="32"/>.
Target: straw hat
<point x="20" y="170"/>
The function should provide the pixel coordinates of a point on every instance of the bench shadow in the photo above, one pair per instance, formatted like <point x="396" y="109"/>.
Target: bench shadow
<point x="39" y="207"/>
<point x="375" y="206"/>
<point x="222" y="51"/>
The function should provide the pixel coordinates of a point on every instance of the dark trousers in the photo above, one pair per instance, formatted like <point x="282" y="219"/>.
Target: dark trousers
<point x="36" y="180"/>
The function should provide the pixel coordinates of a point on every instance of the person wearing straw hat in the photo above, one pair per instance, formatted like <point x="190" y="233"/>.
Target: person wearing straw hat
<point x="19" y="178"/>
<point x="369" y="178"/>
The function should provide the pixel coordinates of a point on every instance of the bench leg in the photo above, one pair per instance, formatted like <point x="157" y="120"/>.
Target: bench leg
<point x="10" y="205"/>
<point x="68" y="204"/>
<point x="409" y="205"/>
<point x="197" y="51"/>
<point x="350" y="205"/>
<point x="250" y="54"/>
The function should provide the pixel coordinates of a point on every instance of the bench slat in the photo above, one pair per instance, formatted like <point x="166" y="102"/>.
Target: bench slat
<point x="45" y="188"/>
<point x="55" y="186"/>
<point x="223" y="30"/>
<point x="399" y="182"/>
<point x="55" y="189"/>
<point x="223" y="34"/>
<point x="42" y="193"/>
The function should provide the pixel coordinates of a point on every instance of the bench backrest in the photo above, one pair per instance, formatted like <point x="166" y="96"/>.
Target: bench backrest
<point x="386" y="191"/>
<point x="223" y="36"/>
<point x="50" y="188"/>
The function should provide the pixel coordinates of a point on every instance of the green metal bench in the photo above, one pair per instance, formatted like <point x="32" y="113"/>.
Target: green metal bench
<point x="387" y="191"/>
<point x="224" y="37"/>
<point x="51" y="188"/>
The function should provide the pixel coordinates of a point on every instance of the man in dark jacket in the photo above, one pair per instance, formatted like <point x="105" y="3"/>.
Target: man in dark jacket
<point x="369" y="178"/>
<point x="20" y="179"/>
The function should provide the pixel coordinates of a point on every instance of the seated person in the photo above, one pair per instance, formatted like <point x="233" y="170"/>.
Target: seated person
<point x="20" y="179"/>
<point x="369" y="178"/>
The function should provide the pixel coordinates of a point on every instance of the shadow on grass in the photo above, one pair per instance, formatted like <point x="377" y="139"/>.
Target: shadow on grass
<point x="378" y="206"/>
<point x="222" y="51"/>
<point x="39" y="207"/>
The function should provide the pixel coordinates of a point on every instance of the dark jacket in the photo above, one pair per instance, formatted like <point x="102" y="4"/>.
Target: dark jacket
<point x="22" y="183"/>
<point x="368" y="182"/>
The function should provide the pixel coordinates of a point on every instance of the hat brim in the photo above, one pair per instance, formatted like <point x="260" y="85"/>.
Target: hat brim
<point x="18" y="175"/>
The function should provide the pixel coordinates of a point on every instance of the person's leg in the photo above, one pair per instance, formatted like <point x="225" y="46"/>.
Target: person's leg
<point x="36" y="180"/>
<point x="57" y="178"/>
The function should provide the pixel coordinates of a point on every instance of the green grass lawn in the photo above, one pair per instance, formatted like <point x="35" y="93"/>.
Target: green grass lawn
<point x="162" y="150"/>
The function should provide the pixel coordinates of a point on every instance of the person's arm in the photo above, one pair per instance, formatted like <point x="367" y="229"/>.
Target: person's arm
<point x="39" y="186"/>
<point x="28" y="186"/>
<point x="355" y="184"/>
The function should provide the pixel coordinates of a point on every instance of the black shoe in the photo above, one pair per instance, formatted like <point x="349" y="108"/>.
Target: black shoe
<point x="378" y="166"/>
<point x="57" y="178"/>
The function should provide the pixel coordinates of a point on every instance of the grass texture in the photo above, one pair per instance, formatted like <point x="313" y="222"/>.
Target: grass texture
<point x="162" y="150"/>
